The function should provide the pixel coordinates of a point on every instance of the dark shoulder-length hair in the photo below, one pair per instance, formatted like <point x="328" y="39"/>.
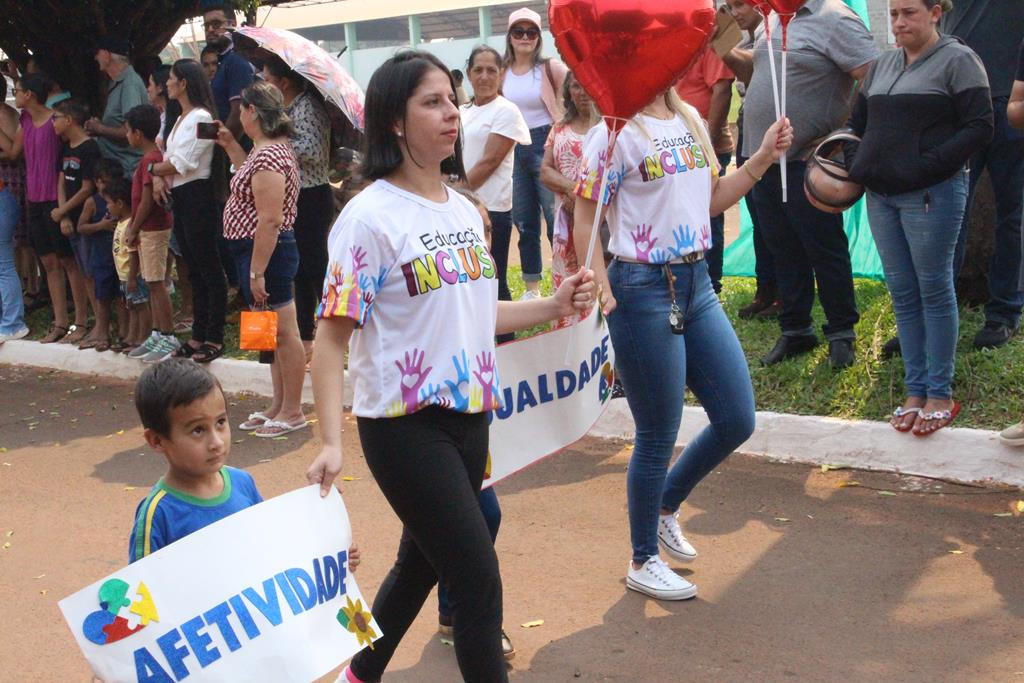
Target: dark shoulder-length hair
<point x="197" y="87"/>
<point x="172" y="109"/>
<point x="387" y="97"/>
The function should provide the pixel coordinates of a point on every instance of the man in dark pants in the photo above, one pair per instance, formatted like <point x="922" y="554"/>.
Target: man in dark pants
<point x="829" y="48"/>
<point x="993" y="29"/>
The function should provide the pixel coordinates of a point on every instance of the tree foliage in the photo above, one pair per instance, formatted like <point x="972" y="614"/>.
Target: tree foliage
<point x="61" y="34"/>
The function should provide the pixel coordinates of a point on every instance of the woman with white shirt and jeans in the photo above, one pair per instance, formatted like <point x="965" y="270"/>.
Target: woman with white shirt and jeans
<point x="492" y="126"/>
<point x="184" y="174"/>
<point x="532" y="83"/>
<point x="667" y="326"/>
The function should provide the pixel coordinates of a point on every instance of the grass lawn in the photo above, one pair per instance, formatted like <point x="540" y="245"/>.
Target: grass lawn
<point x="989" y="383"/>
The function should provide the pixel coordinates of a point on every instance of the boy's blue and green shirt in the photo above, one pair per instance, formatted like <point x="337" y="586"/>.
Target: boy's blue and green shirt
<point x="167" y="515"/>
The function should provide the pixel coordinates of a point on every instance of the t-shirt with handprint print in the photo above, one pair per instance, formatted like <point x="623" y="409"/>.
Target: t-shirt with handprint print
<point x="659" y="188"/>
<point x="418" y="280"/>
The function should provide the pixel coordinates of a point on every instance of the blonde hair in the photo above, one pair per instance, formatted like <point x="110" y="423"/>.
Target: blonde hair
<point x="694" y="123"/>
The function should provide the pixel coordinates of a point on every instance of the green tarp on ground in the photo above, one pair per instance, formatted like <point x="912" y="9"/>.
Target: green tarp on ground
<point x="739" y="256"/>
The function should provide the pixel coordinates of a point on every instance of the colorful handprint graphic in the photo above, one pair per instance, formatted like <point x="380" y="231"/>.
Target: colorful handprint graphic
<point x="643" y="242"/>
<point x="460" y="387"/>
<point x="413" y="377"/>
<point x="488" y="378"/>
<point x="685" y="241"/>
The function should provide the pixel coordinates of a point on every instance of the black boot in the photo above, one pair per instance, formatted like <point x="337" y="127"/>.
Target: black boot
<point x="788" y="347"/>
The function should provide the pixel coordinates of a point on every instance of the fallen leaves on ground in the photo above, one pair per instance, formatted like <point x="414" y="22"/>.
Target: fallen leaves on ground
<point x="533" y="624"/>
<point x="847" y="484"/>
<point x="956" y="552"/>
<point x="827" y="467"/>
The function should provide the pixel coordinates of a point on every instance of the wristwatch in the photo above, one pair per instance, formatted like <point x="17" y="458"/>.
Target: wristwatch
<point x="253" y="275"/>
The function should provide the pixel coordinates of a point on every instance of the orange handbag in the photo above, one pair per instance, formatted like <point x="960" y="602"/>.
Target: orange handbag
<point x="257" y="331"/>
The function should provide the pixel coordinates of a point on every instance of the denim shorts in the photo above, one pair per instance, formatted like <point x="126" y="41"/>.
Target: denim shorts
<point x="279" y="276"/>
<point x="141" y="293"/>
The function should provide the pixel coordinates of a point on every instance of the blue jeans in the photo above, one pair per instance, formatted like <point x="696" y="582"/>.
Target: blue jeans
<point x="716" y="253"/>
<point x="492" y="515"/>
<point x="916" y="235"/>
<point x="1004" y="158"/>
<point x="529" y="199"/>
<point x="655" y="367"/>
<point x="12" y="308"/>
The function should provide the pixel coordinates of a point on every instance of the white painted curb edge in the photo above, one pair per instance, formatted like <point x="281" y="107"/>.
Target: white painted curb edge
<point x="969" y="455"/>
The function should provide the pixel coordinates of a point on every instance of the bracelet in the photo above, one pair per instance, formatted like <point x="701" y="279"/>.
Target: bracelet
<point x="750" y="173"/>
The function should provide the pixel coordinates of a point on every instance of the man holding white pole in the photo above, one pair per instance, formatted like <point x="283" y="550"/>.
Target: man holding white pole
<point x="830" y="48"/>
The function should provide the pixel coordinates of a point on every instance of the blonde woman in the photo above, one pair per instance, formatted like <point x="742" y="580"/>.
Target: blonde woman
<point x="666" y="324"/>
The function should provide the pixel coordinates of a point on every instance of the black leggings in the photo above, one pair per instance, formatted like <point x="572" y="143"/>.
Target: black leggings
<point x="312" y="225"/>
<point x="429" y="465"/>
<point x="196" y="230"/>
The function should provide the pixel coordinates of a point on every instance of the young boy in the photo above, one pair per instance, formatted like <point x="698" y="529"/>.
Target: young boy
<point x="79" y="154"/>
<point x="150" y="232"/>
<point x="184" y="414"/>
<point x="118" y="196"/>
<point x="96" y="227"/>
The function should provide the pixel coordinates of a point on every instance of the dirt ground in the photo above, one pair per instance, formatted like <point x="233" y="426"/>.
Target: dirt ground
<point x="897" y="579"/>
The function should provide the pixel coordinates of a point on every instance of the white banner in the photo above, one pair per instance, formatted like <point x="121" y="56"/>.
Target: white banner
<point x="262" y="595"/>
<point x="548" y="404"/>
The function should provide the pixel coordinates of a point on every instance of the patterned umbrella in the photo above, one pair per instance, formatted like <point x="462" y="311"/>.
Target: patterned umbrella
<point x="316" y="65"/>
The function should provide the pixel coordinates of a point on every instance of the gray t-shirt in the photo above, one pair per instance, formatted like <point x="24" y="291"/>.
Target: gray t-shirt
<point x="125" y="92"/>
<point x="826" y="41"/>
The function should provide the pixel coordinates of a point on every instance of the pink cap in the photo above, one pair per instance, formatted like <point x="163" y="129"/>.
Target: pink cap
<point x="524" y="14"/>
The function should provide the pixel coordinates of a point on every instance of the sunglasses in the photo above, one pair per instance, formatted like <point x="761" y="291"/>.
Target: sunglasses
<point x="529" y="33"/>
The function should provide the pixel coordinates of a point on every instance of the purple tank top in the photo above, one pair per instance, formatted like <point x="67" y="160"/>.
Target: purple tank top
<point x="42" y="157"/>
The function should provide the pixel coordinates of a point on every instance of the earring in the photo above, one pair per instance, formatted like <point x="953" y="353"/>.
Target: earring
<point x="399" y="133"/>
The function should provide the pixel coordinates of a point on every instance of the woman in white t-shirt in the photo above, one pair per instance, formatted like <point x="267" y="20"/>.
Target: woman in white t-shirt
<point x="533" y="84"/>
<point x="185" y="176"/>
<point x="412" y="283"/>
<point x="667" y="326"/>
<point x="491" y="126"/>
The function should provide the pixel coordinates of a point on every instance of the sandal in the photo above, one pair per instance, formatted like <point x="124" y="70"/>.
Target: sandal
<point x="185" y="351"/>
<point x="128" y="348"/>
<point x="55" y="333"/>
<point x="76" y="334"/>
<point x="273" y="428"/>
<point x="207" y="352"/>
<point x="183" y="326"/>
<point x="118" y="345"/>
<point x="902" y="412"/>
<point x="89" y="344"/>
<point x="102" y="345"/>
<point x="944" y="417"/>
<point x="254" y="422"/>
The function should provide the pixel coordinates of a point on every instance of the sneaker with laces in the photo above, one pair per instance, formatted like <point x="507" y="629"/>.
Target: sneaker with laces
<point x="17" y="334"/>
<point x="165" y="348"/>
<point x="670" y="537"/>
<point x="147" y="346"/>
<point x="655" y="579"/>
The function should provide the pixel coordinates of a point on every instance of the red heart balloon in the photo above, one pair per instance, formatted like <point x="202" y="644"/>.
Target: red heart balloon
<point x="625" y="52"/>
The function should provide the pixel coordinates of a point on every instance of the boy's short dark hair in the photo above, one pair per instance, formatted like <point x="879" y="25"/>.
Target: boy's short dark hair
<point x="173" y="383"/>
<point x="118" y="189"/>
<point x="74" y="110"/>
<point x="107" y="168"/>
<point x="35" y="84"/>
<point x="145" y="118"/>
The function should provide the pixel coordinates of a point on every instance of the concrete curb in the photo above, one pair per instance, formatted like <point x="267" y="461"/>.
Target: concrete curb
<point x="968" y="455"/>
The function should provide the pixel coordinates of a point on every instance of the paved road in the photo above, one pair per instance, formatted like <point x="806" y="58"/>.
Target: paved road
<point x="800" y="579"/>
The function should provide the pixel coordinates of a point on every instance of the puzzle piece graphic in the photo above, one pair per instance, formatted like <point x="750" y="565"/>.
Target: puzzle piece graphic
<point x="144" y="606"/>
<point x="113" y="596"/>
<point x="95" y="625"/>
<point x="119" y="629"/>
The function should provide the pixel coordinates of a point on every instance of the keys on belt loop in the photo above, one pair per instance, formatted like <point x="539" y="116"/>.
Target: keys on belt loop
<point x="676" y="320"/>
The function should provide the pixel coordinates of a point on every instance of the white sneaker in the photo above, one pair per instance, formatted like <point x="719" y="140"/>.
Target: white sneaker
<point x="147" y="346"/>
<point x="19" y="334"/>
<point x="528" y="295"/>
<point x="658" y="581"/>
<point x="670" y="537"/>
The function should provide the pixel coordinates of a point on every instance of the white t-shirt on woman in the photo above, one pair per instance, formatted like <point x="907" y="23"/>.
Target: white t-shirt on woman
<point x="524" y="92"/>
<point x="417" y="278"/>
<point x="503" y="118"/>
<point x="187" y="153"/>
<point x="659" y="189"/>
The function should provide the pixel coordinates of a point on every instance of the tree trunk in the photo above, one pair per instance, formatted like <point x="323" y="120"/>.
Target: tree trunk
<point x="972" y="284"/>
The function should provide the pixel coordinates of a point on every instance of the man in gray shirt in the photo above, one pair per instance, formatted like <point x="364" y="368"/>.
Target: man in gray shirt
<point x="126" y="90"/>
<point x="829" y="48"/>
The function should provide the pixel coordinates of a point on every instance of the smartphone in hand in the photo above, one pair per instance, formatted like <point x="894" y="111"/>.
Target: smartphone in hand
<point x="207" y="131"/>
